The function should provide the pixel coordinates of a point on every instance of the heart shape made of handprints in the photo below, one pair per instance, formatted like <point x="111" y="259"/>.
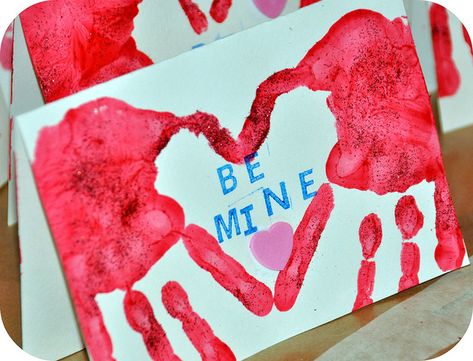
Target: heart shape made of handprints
<point x="272" y="248"/>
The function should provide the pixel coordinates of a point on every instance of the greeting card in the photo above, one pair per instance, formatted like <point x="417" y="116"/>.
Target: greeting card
<point x="6" y="50"/>
<point x="419" y="21"/>
<point x="78" y="44"/>
<point x="453" y="55"/>
<point x="217" y="203"/>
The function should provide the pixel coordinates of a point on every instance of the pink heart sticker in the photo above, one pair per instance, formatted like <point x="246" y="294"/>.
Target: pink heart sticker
<point x="272" y="248"/>
<point x="270" y="8"/>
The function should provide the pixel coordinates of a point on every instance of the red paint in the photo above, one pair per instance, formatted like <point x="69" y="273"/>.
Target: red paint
<point x="467" y="38"/>
<point x="371" y="235"/>
<point x="230" y="274"/>
<point x="448" y="77"/>
<point x="140" y="316"/>
<point x="409" y="219"/>
<point x="366" y="276"/>
<point x="450" y="251"/>
<point x="78" y="44"/>
<point x="6" y="49"/>
<point x="306" y="239"/>
<point x="410" y="265"/>
<point x="197" y="18"/>
<point x="305" y="3"/>
<point x="199" y="332"/>
<point x="95" y="170"/>
<point x="219" y="10"/>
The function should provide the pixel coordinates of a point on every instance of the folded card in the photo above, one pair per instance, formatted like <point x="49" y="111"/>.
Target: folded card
<point x="180" y="240"/>
<point x="419" y="21"/>
<point x="6" y="51"/>
<point x="453" y="55"/>
<point x="75" y="45"/>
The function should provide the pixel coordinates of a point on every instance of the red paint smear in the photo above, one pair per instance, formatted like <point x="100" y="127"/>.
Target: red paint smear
<point x="140" y="316"/>
<point x="409" y="219"/>
<point x="306" y="239"/>
<point x="6" y="49"/>
<point x="448" y="77"/>
<point x="410" y="265"/>
<point x="371" y="234"/>
<point x="199" y="332"/>
<point x="78" y="44"/>
<point x="467" y="38"/>
<point x="197" y="18"/>
<point x="230" y="274"/>
<point x="366" y="276"/>
<point x="95" y="170"/>
<point x="219" y="10"/>
<point x="305" y="3"/>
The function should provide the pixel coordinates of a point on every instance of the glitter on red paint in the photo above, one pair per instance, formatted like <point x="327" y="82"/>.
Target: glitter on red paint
<point x="219" y="10"/>
<point x="409" y="219"/>
<point x="77" y="44"/>
<point x="410" y="265"/>
<point x="197" y="18"/>
<point x="205" y="250"/>
<point x="448" y="77"/>
<point x="6" y="49"/>
<point x="96" y="174"/>
<point x="387" y="139"/>
<point x="450" y="250"/>
<point x="371" y="235"/>
<point x="366" y="276"/>
<point x="467" y="38"/>
<point x="95" y="170"/>
<point x="307" y="2"/>
<point x="199" y="332"/>
<point x="140" y="316"/>
<point x="306" y="239"/>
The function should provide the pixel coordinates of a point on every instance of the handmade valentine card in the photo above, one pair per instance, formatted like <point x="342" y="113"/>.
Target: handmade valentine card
<point x="217" y="203"/>
<point x="6" y="51"/>
<point x="419" y="21"/>
<point x="75" y="45"/>
<point x="453" y="55"/>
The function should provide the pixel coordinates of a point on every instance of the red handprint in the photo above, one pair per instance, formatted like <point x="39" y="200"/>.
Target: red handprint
<point x="95" y="172"/>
